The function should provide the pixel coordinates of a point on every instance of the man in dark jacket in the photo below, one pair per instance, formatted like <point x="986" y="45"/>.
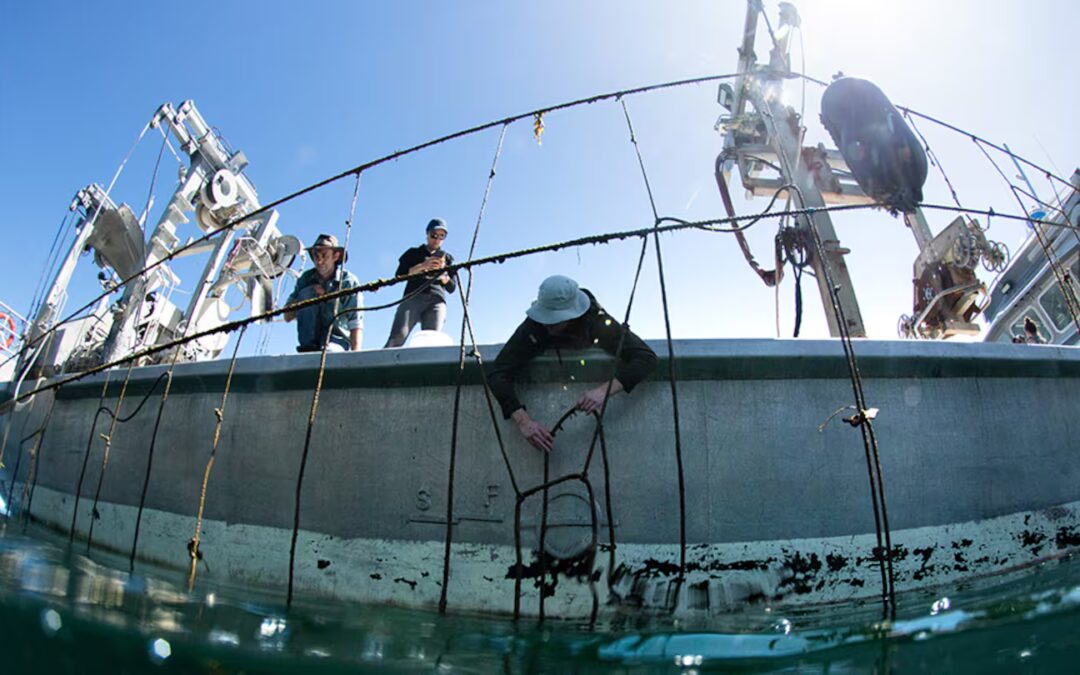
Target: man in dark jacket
<point x="427" y="306"/>
<point x="566" y="316"/>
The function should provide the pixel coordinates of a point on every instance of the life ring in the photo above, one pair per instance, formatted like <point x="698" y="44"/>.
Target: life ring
<point x="6" y="319"/>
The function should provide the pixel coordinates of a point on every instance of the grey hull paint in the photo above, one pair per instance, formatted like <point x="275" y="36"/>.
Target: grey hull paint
<point x="977" y="448"/>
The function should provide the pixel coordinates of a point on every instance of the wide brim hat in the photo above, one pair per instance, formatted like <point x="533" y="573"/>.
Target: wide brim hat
<point x="327" y="241"/>
<point x="559" y="299"/>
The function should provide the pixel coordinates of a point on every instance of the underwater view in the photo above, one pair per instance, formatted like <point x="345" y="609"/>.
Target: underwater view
<point x="61" y="612"/>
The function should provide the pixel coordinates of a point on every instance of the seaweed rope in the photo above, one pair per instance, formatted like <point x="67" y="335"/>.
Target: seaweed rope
<point x="31" y="479"/>
<point x="93" y="427"/>
<point x="105" y="455"/>
<point x="315" y="399"/>
<point x="1072" y="303"/>
<point x="219" y="414"/>
<point x="863" y="419"/>
<point x="466" y="294"/>
<point x="36" y="435"/>
<point x="712" y="225"/>
<point x="314" y="408"/>
<point x="150" y="454"/>
<point x="671" y="358"/>
<point x="863" y="416"/>
<point x="86" y="455"/>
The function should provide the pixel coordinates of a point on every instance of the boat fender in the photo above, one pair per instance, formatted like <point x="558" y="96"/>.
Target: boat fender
<point x="883" y="154"/>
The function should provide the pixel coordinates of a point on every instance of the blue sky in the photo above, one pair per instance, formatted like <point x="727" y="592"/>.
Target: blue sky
<point x="309" y="90"/>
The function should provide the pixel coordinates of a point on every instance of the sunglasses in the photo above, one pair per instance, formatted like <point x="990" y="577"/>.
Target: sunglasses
<point x="437" y="235"/>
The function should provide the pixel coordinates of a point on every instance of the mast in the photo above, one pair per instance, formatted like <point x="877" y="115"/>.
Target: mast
<point x="774" y="132"/>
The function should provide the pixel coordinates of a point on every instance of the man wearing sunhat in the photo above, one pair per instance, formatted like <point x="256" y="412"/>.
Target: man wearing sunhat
<point x="425" y="297"/>
<point x="565" y="316"/>
<point x="314" y="321"/>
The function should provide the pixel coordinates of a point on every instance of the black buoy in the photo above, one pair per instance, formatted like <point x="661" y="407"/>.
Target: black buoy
<point x="880" y="149"/>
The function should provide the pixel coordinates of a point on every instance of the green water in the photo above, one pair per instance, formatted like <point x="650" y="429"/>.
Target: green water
<point x="61" y="612"/>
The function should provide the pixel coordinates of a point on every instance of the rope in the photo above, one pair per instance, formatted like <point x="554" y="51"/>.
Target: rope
<point x="457" y="388"/>
<point x="711" y="225"/>
<point x="31" y="478"/>
<point x="873" y="461"/>
<point x="315" y="399"/>
<point x="150" y="458"/>
<point x="933" y="156"/>
<point x="105" y="456"/>
<point x="86" y="456"/>
<point x="979" y="140"/>
<point x="671" y="356"/>
<point x="93" y="427"/>
<point x="220" y="414"/>
<point x="303" y="465"/>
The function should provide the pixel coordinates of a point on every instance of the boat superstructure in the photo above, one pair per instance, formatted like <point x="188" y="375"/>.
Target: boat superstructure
<point x="1038" y="285"/>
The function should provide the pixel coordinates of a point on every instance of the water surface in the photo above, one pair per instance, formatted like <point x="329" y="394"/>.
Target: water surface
<point x="62" y="612"/>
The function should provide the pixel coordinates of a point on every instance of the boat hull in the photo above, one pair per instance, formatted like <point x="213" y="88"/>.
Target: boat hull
<point x="977" y="456"/>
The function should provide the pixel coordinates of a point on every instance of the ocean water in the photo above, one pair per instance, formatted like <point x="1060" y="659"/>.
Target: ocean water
<point x="62" y="612"/>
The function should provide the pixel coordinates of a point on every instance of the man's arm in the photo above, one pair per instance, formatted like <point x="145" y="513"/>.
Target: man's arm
<point x="636" y="360"/>
<point x="526" y="342"/>
<point x="301" y="283"/>
<point x="356" y="317"/>
<point x="449" y="281"/>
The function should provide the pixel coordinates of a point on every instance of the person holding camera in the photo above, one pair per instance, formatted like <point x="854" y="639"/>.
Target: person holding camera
<point x="425" y="296"/>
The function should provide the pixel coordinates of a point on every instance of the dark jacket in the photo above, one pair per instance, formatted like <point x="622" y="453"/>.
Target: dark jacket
<point x="417" y="255"/>
<point x="594" y="328"/>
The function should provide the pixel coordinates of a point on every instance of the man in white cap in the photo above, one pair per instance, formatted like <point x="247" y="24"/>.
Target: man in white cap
<point x="425" y="302"/>
<point x="315" y="320"/>
<point x="566" y="316"/>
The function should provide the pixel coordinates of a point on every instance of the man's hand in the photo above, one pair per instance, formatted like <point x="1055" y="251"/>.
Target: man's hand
<point x="429" y="264"/>
<point x="318" y="289"/>
<point x="593" y="400"/>
<point x="535" y="433"/>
